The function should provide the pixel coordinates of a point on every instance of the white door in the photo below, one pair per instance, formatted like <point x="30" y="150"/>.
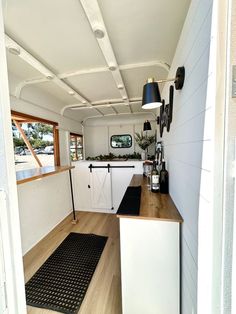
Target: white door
<point x="3" y="295"/>
<point x="11" y="266"/>
<point x="101" y="191"/>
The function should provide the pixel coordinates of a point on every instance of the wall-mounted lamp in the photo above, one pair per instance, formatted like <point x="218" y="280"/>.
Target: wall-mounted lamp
<point x="147" y="126"/>
<point x="151" y="92"/>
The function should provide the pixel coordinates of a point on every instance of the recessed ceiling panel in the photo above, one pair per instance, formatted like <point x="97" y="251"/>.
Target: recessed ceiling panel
<point x="134" y="79"/>
<point x="20" y="68"/>
<point x="81" y="115"/>
<point x="57" y="32"/>
<point x="123" y="109"/>
<point x="94" y="87"/>
<point x="56" y="91"/>
<point x="144" y="30"/>
<point x="107" y="110"/>
<point x="138" y="108"/>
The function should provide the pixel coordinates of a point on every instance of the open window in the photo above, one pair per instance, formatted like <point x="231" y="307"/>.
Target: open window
<point x="76" y="147"/>
<point x="36" y="141"/>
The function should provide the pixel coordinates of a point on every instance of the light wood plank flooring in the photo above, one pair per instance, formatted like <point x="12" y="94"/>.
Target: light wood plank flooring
<point x="104" y="293"/>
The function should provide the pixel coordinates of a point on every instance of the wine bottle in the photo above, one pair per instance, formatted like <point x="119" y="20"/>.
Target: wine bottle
<point x="155" y="179"/>
<point x="164" y="179"/>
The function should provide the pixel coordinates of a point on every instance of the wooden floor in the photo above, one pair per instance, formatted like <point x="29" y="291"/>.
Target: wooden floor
<point x="104" y="293"/>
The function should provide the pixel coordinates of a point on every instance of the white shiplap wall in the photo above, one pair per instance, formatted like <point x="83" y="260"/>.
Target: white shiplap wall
<point x="184" y="144"/>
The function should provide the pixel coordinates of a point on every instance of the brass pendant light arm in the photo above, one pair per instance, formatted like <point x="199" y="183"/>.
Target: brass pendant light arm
<point x="166" y="80"/>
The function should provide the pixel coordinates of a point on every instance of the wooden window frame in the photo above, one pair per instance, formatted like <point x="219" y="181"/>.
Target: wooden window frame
<point x="26" y="118"/>
<point x="76" y="147"/>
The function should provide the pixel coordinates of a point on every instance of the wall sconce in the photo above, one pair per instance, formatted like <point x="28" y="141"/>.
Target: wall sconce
<point x="151" y="92"/>
<point x="166" y="112"/>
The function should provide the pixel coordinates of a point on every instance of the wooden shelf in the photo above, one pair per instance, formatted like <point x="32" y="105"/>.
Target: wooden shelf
<point x="28" y="175"/>
<point x="154" y="206"/>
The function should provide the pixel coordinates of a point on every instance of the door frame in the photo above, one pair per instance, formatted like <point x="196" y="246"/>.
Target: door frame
<point x="211" y="219"/>
<point x="9" y="214"/>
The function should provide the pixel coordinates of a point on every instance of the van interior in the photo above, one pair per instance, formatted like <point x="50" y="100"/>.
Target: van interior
<point x="117" y="157"/>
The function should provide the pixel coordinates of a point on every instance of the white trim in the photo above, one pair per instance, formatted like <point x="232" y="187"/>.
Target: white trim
<point x="210" y="223"/>
<point x="9" y="211"/>
<point x="233" y="291"/>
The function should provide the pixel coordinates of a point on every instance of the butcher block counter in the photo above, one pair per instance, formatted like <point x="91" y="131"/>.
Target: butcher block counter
<point x="154" y="205"/>
<point x="150" y="254"/>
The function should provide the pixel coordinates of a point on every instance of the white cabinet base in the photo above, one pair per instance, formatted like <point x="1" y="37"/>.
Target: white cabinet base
<point x="100" y="190"/>
<point x="149" y="266"/>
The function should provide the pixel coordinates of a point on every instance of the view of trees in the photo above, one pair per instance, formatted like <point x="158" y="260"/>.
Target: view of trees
<point x="35" y="132"/>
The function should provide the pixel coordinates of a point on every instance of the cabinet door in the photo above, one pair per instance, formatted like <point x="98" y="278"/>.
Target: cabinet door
<point x="100" y="182"/>
<point x="81" y="187"/>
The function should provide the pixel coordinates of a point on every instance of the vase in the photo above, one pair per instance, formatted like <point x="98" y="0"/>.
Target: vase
<point x="143" y="155"/>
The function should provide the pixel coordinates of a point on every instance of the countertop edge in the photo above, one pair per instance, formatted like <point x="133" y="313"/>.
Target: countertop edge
<point x="41" y="173"/>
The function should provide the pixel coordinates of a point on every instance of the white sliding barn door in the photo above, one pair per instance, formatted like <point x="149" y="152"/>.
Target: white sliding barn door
<point x="101" y="192"/>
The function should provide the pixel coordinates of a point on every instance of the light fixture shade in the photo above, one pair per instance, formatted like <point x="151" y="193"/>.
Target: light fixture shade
<point x="147" y="126"/>
<point x="151" y="96"/>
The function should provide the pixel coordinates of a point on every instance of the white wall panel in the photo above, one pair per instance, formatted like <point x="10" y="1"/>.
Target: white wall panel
<point x="96" y="140"/>
<point x="42" y="204"/>
<point x="97" y="137"/>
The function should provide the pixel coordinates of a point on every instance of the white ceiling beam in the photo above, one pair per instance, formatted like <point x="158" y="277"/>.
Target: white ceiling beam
<point x="160" y="64"/>
<point x="103" y="106"/>
<point x="39" y="66"/>
<point x="91" y="71"/>
<point x="114" y="109"/>
<point x="85" y="71"/>
<point x="130" y="66"/>
<point x="122" y="113"/>
<point x="11" y="45"/>
<point x="95" y="19"/>
<point x="114" y="100"/>
<point x="102" y="103"/>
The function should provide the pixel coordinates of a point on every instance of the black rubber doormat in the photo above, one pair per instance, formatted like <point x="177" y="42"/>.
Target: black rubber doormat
<point x="61" y="282"/>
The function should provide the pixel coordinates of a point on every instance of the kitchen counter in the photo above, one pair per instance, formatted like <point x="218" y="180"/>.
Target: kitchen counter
<point x="150" y="253"/>
<point x="154" y="206"/>
<point x="28" y="175"/>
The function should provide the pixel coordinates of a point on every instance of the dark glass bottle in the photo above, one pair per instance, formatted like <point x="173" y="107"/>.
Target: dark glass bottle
<point x="164" y="179"/>
<point x="155" y="186"/>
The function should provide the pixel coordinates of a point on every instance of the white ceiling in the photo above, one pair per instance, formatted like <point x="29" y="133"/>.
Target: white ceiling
<point x="56" y="37"/>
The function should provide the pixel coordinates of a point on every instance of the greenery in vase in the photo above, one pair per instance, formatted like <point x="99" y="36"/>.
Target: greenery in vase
<point x="144" y="141"/>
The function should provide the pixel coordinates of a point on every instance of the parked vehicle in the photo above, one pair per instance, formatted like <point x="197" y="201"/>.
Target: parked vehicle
<point x="39" y="151"/>
<point x="49" y="150"/>
<point x="24" y="152"/>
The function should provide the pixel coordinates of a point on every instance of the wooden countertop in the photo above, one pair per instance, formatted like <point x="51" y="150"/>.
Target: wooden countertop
<point x="154" y="206"/>
<point x="38" y="173"/>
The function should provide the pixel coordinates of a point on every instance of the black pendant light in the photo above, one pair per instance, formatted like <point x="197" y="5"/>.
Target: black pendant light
<point x="151" y="95"/>
<point x="147" y="126"/>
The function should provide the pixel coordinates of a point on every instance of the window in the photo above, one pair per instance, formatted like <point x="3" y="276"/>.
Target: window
<point x="76" y="147"/>
<point x="36" y="141"/>
<point x="121" y="141"/>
